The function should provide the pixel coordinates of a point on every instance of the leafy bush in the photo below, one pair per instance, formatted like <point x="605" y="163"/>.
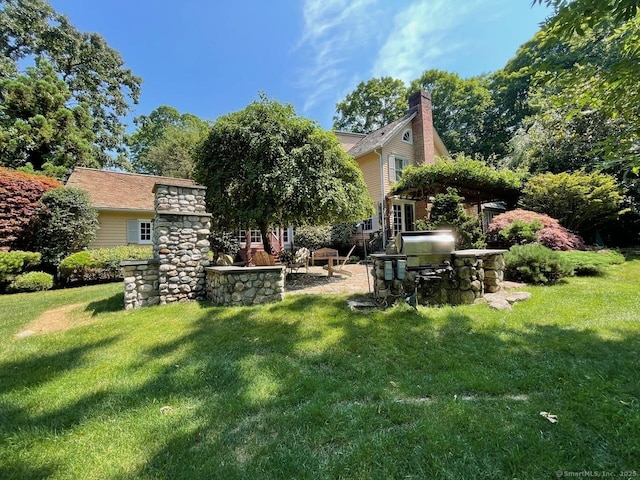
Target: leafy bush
<point x="593" y="263"/>
<point x="341" y="234"/>
<point x="536" y="264"/>
<point x="447" y="212"/>
<point x="224" y="243"/>
<point x="520" y="232"/>
<point x="461" y="172"/>
<point x="100" y="263"/>
<point x="19" y="195"/>
<point x="14" y="262"/>
<point x="66" y="223"/>
<point x="32" y="282"/>
<point x="313" y="237"/>
<point x="582" y="202"/>
<point x="551" y="235"/>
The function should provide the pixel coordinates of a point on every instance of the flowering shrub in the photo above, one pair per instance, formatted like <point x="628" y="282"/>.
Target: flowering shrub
<point x="19" y="195"/>
<point x="552" y="235"/>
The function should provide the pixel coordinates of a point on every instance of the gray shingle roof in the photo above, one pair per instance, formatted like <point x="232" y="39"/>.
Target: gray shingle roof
<point x="380" y="137"/>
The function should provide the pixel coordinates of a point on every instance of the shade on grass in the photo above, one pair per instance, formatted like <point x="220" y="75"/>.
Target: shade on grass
<point x="308" y="389"/>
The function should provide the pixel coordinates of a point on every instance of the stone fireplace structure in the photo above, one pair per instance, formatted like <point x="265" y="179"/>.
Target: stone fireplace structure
<point x="179" y="270"/>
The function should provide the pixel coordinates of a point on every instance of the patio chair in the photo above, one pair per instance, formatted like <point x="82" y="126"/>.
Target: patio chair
<point x="339" y="268"/>
<point x="300" y="259"/>
<point x="263" y="259"/>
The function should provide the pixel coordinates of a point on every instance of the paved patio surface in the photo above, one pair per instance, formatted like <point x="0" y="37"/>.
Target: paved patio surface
<point x="317" y="281"/>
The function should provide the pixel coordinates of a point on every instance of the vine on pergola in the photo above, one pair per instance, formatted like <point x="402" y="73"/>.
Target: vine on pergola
<point x="476" y="181"/>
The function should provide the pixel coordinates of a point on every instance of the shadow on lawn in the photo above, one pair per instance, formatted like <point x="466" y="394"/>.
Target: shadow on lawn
<point x="328" y="409"/>
<point x="308" y="389"/>
<point x="112" y="304"/>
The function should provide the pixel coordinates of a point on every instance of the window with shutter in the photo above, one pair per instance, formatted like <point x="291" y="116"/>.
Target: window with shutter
<point x="132" y="231"/>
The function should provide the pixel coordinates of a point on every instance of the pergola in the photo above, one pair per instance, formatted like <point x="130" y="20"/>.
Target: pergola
<point x="475" y="181"/>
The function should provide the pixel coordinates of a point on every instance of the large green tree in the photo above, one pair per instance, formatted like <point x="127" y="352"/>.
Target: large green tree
<point x="93" y="72"/>
<point x="165" y="142"/>
<point x="582" y="202"/>
<point x="459" y="109"/>
<point x="373" y="104"/>
<point x="36" y="124"/>
<point x="601" y="41"/>
<point x="265" y="166"/>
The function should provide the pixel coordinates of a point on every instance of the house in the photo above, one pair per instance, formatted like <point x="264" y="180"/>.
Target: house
<point x="124" y="202"/>
<point x="382" y="155"/>
<point x="125" y="209"/>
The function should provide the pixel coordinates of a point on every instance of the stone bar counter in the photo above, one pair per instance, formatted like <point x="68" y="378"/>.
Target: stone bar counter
<point x="236" y="286"/>
<point x="462" y="279"/>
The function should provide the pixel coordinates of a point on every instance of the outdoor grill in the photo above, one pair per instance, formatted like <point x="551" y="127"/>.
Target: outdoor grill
<point x="424" y="249"/>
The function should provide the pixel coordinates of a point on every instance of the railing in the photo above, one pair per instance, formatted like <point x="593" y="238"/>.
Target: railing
<point x="276" y="245"/>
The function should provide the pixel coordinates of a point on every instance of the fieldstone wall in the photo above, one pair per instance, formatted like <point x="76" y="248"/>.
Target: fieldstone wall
<point x="462" y="280"/>
<point x="181" y="230"/>
<point x="140" y="283"/>
<point x="245" y="286"/>
<point x="493" y="273"/>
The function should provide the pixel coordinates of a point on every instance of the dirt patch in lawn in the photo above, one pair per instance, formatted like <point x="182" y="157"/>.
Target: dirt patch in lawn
<point x="55" y="320"/>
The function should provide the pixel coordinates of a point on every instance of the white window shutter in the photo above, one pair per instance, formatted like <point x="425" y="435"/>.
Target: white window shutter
<point x="392" y="168"/>
<point x="133" y="231"/>
<point x="405" y="163"/>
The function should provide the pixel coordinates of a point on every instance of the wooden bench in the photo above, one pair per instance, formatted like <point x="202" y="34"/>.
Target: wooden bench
<point x="323" y="254"/>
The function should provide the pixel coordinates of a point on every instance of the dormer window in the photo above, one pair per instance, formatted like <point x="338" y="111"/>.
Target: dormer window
<point x="407" y="136"/>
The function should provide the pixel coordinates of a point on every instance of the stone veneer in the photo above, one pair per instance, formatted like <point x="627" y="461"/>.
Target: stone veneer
<point x="463" y="279"/>
<point x="245" y="286"/>
<point x="181" y="230"/>
<point x="140" y="283"/>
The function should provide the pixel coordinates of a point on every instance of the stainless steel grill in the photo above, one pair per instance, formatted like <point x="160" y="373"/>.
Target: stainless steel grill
<point x="427" y="248"/>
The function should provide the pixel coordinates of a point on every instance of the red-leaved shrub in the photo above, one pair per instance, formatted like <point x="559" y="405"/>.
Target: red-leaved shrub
<point x="19" y="195"/>
<point x="552" y="235"/>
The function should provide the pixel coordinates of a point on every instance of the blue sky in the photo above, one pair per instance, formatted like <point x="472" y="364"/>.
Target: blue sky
<point x="212" y="57"/>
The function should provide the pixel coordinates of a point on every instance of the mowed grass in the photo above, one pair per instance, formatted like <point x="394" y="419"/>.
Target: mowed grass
<point x="309" y="389"/>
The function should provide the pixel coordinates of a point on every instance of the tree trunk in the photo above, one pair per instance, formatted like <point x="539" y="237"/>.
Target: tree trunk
<point x="264" y="231"/>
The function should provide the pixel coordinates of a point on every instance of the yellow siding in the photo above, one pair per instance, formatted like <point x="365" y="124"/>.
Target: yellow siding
<point x="113" y="228"/>
<point x="395" y="147"/>
<point x="348" y="140"/>
<point x="370" y="166"/>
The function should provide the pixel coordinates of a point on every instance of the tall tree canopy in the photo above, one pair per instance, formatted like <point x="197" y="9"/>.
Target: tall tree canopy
<point x="577" y="81"/>
<point x="36" y="124"/>
<point x="265" y="166"/>
<point x="373" y="104"/>
<point x="93" y="72"/>
<point x="165" y="142"/>
<point x="460" y="107"/>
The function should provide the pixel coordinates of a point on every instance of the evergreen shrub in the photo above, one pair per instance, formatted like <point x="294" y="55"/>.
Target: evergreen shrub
<point x="536" y="264"/>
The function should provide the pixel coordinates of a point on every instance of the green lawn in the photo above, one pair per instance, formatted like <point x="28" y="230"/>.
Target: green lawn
<point x="308" y="389"/>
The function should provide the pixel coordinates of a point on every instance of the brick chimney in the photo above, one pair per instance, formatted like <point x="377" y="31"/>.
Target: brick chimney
<point x="422" y="127"/>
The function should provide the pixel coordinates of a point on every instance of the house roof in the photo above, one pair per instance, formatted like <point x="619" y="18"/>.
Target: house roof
<point x="379" y="138"/>
<point x="120" y="191"/>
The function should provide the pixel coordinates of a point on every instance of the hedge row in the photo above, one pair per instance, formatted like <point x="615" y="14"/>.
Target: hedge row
<point x="15" y="262"/>
<point x="101" y="264"/>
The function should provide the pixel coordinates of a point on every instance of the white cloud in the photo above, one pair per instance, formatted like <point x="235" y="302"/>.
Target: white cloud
<point x="333" y="32"/>
<point x="348" y="41"/>
<point x="423" y="34"/>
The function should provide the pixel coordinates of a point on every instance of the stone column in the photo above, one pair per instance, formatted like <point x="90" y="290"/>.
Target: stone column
<point x="181" y="242"/>
<point x="493" y="272"/>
